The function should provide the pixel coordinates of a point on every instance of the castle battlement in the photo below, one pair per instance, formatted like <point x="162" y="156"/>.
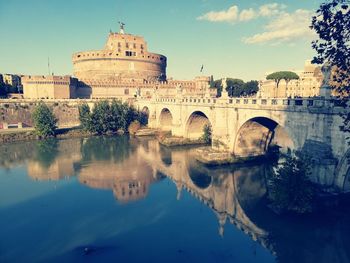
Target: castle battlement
<point x="125" y="56"/>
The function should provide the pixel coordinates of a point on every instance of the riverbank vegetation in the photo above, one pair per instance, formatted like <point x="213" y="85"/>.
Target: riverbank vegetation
<point x="45" y="122"/>
<point x="290" y="189"/>
<point x="106" y="117"/>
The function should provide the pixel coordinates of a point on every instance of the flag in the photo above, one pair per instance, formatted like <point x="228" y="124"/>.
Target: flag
<point x="202" y="68"/>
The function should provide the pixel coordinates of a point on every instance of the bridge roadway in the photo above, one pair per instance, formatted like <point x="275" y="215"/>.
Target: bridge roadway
<point x="249" y="126"/>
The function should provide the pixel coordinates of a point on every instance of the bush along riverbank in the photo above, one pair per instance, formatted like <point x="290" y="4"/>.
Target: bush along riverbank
<point x="290" y="190"/>
<point x="105" y="118"/>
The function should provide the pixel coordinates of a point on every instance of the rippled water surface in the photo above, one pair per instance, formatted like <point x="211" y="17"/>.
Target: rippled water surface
<point x="115" y="199"/>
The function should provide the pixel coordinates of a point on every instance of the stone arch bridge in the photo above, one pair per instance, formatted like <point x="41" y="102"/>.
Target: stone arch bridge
<point x="248" y="126"/>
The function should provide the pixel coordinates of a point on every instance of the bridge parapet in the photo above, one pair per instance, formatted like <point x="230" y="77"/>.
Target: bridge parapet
<point x="296" y="104"/>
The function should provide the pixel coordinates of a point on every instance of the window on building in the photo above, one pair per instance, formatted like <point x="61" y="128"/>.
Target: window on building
<point x="126" y="92"/>
<point x="130" y="53"/>
<point x="134" y="45"/>
<point x="127" y="45"/>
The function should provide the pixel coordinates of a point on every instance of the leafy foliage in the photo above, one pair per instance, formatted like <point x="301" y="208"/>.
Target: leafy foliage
<point x="207" y="133"/>
<point x="46" y="152"/>
<point x="332" y="24"/>
<point x="237" y="87"/>
<point x="290" y="188"/>
<point x="44" y="120"/>
<point x="109" y="117"/>
<point x="279" y="75"/>
<point x="84" y="116"/>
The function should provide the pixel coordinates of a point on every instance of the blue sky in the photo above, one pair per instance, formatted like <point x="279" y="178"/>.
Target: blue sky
<point x="241" y="39"/>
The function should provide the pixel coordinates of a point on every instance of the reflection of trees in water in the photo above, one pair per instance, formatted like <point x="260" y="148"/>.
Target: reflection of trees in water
<point x="322" y="237"/>
<point x="114" y="149"/>
<point x="46" y="152"/>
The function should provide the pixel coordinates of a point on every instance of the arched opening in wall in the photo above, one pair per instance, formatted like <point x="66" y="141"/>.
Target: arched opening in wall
<point x="195" y="125"/>
<point x="166" y="120"/>
<point x="260" y="134"/>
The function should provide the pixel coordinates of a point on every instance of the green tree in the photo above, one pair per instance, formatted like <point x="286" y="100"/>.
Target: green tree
<point x="285" y="75"/>
<point x="100" y="118"/>
<point x="235" y="87"/>
<point x="207" y="133"/>
<point x="290" y="189"/>
<point x="109" y="117"/>
<point x="332" y="25"/>
<point x="44" y="120"/>
<point x="117" y="120"/>
<point x="251" y="87"/>
<point x="84" y="116"/>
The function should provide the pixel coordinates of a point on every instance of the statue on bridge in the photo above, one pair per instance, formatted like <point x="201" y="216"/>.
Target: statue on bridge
<point x="327" y="72"/>
<point x="224" y="92"/>
<point x="179" y="89"/>
<point x="326" y="90"/>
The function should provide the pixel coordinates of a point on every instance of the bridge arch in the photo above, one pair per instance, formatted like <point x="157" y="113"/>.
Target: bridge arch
<point x="257" y="134"/>
<point x="195" y="124"/>
<point x="165" y="119"/>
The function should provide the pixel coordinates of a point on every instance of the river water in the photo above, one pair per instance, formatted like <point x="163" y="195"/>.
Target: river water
<point x="115" y="199"/>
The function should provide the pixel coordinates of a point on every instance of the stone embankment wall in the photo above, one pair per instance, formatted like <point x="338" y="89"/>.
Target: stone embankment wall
<point x="14" y="112"/>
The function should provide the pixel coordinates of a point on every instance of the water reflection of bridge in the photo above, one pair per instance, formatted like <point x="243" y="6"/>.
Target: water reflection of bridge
<point x="222" y="191"/>
<point x="233" y="194"/>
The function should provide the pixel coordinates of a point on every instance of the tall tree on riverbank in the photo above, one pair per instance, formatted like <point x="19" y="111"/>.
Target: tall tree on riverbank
<point x="332" y="25"/>
<point x="109" y="117"/>
<point x="84" y="116"/>
<point x="44" y="120"/>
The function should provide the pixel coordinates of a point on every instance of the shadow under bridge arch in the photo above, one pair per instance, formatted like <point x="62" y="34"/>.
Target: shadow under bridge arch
<point x="165" y="119"/>
<point x="195" y="125"/>
<point x="257" y="135"/>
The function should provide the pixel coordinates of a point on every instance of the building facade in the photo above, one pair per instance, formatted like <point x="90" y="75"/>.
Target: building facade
<point x="12" y="83"/>
<point x="308" y="85"/>
<point x="49" y="87"/>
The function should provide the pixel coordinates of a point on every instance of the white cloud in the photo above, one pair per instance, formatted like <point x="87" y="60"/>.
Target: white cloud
<point x="229" y="15"/>
<point x="280" y="26"/>
<point x="247" y="14"/>
<point x="284" y="27"/>
<point x="271" y="9"/>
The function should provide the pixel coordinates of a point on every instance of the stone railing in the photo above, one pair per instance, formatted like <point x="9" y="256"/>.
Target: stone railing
<point x="273" y="103"/>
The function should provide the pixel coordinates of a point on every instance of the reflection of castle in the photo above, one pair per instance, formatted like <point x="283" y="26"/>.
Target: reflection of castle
<point x="130" y="181"/>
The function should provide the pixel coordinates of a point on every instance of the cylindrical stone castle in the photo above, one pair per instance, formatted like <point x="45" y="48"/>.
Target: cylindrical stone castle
<point x="125" y="56"/>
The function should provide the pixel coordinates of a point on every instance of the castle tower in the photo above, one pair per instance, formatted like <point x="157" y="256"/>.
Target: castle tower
<point x="125" y="56"/>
